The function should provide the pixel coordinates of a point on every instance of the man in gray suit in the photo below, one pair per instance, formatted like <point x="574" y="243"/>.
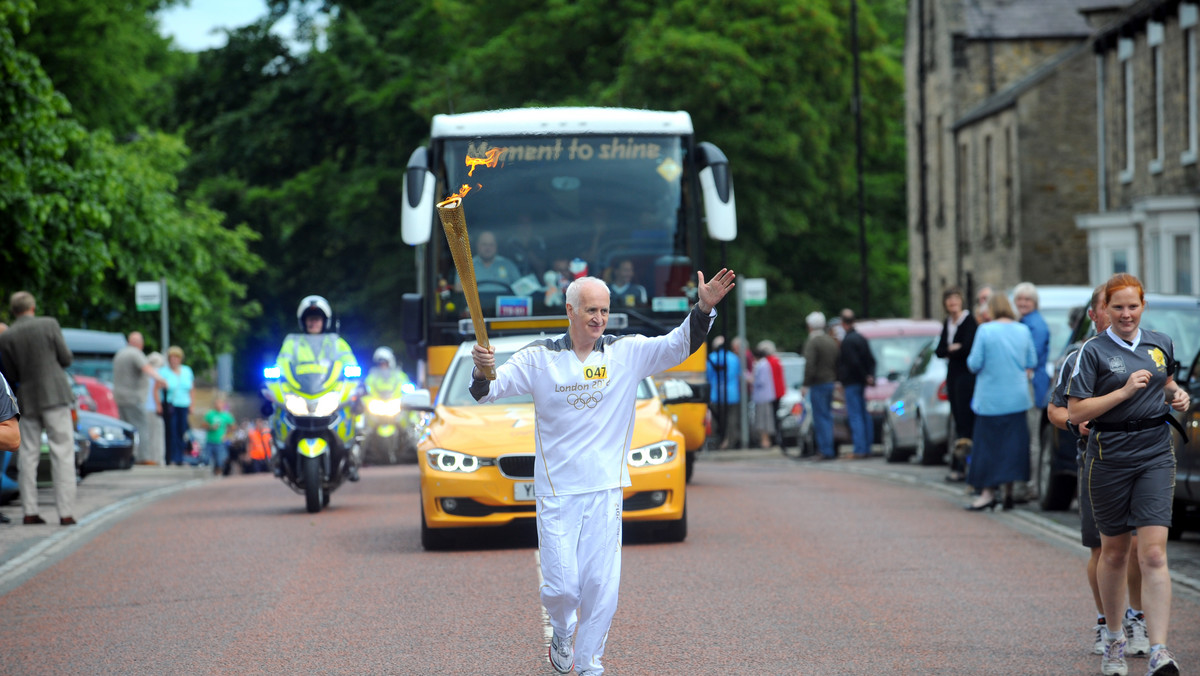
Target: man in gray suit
<point x="33" y="356"/>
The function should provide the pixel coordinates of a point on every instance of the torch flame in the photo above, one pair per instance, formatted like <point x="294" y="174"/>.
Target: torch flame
<point x="489" y="160"/>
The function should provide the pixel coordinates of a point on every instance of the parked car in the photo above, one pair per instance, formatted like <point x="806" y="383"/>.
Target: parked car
<point x="918" y="421"/>
<point x="112" y="442"/>
<point x="895" y="344"/>
<point x="1056" y="470"/>
<point x="92" y="351"/>
<point x="9" y="489"/>
<point x="101" y="394"/>
<point x="476" y="460"/>
<point x="792" y="416"/>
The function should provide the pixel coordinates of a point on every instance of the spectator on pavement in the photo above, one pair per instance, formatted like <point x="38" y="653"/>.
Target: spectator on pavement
<point x="1134" y="621"/>
<point x="180" y="383"/>
<point x="763" y="395"/>
<point x="958" y="334"/>
<point x="725" y="393"/>
<point x="156" y="441"/>
<point x="780" y="380"/>
<point x="34" y="355"/>
<point x="1025" y="297"/>
<point x="132" y="374"/>
<point x="982" y="313"/>
<point x="258" y="447"/>
<point x="1000" y="357"/>
<point x="820" y="372"/>
<point x="856" y="371"/>
<point x="218" y="420"/>
<point x="10" y="428"/>
<point x="1127" y="395"/>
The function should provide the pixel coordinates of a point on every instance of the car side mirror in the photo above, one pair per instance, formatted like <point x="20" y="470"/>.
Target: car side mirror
<point x="417" y="400"/>
<point x="676" y="391"/>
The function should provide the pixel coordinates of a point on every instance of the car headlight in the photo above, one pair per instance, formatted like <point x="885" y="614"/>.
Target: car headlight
<point x="654" y="454"/>
<point x="98" y="432"/>
<point x="384" y="407"/>
<point x="451" y="461"/>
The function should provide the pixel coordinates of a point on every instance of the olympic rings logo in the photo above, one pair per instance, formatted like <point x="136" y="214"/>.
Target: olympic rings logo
<point x="585" y="400"/>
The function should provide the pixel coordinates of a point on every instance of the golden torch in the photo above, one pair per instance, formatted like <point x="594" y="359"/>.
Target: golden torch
<point x="454" y="223"/>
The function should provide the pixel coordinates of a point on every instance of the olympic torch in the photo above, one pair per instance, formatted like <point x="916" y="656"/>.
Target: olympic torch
<point x="454" y="223"/>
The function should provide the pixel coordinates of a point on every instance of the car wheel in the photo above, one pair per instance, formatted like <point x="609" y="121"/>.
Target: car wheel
<point x="928" y="453"/>
<point x="675" y="531"/>
<point x="1058" y="490"/>
<point x="891" y="452"/>
<point x="433" y="539"/>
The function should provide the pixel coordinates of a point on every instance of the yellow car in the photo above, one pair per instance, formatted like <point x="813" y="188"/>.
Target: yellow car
<point x="476" y="460"/>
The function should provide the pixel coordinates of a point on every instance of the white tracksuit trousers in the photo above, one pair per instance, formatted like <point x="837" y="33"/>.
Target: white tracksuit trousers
<point x="579" y="543"/>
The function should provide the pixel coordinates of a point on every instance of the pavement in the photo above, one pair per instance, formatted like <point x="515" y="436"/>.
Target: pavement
<point x="104" y="497"/>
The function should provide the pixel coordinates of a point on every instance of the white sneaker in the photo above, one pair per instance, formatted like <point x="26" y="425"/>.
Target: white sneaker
<point x="1162" y="663"/>
<point x="561" y="655"/>
<point x="1098" y="646"/>
<point x="1135" y="632"/>
<point x="1113" y="661"/>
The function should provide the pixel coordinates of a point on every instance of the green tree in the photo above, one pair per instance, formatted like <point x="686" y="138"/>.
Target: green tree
<point x="89" y="217"/>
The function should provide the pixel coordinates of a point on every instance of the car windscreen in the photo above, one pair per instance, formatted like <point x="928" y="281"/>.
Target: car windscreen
<point x="895" y="354"/>
<point x="456" y="389"/>
<point x="1182" y="324"/>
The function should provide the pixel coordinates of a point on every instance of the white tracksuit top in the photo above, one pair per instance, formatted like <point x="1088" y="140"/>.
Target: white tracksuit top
<point x="584" y="411"/>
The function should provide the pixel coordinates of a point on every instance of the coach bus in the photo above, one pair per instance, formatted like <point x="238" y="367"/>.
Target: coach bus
<point x="626" y="195"/>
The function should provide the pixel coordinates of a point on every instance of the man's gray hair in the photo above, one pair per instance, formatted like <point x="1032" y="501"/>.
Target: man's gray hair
<point x="576" y="287"/>
<point x="815" y="321"/>
<point x="1026" y="290"/>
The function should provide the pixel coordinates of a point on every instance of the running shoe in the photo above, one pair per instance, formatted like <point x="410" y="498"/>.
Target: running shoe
<point x="1162" y="663"/>
<point x="1113" y="661"/>
<point x="561" y="655"/>
<point x="1135" y="632"/>
<point x="1098" y="646"/>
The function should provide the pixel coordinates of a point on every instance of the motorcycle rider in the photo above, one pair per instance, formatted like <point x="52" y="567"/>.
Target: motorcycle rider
<point x="384" y="376"/>
<point x="317" y="344"/>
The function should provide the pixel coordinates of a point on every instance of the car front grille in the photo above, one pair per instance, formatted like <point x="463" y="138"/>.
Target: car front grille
<point x="516" y="466"/>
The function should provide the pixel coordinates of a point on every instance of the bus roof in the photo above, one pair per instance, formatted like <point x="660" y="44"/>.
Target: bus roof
<point x="521" y="121"/>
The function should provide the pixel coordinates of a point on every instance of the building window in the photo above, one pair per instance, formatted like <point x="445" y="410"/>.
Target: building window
<point x="1183" y="263"/>
<point x="1125" y="54"/>
<point x="1154" y="38"/>
<point x="1187" y="22"/>
<point x="960" y="198"/>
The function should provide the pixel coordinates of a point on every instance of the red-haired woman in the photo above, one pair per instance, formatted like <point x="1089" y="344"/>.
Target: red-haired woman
<point x="1122" y="383"/>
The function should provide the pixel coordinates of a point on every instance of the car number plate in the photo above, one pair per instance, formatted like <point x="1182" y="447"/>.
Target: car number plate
<point x="523" y="491"/>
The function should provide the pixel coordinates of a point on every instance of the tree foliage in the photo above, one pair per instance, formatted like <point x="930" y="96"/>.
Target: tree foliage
<point x="88" y="217"/>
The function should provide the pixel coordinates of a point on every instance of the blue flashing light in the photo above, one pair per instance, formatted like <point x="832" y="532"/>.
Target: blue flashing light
<point x="352" y="371"/>
<point x="271" y="373"/>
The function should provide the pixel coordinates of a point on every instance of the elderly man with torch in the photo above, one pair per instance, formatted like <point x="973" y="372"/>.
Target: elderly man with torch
<point x="584" y="387"/>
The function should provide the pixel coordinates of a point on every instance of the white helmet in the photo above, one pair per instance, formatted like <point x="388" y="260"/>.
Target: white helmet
<point x="314" y="304"/>
<point x="384" y="354"/>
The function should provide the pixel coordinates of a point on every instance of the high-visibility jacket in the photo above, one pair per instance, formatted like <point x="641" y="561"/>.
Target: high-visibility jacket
<point x="385" y="382"/>
<point x="258" y="444"/>
<point x="325" y="353"/>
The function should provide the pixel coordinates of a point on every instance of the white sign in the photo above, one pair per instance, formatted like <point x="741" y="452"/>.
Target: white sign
<point x="754" y="291"/>
<point x="147" y="295"/>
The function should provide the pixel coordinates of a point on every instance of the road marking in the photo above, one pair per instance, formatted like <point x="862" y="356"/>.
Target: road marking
<point x="45" y="553"/>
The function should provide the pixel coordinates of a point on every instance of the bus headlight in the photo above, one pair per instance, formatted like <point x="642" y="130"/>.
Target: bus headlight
<point x="654" y="454"/>
<point x="451" y="461"/>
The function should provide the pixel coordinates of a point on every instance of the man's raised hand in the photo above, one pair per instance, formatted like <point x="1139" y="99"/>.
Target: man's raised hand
<point x="711" y="292"/>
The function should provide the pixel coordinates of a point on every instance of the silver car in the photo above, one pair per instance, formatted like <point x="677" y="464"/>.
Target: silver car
<point x="918" y="421"/>
<point x="792" y="415"/>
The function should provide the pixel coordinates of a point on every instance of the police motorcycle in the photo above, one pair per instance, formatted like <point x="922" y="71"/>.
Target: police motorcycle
<point x="384" y="425"/>
<point x="309" y="402"/>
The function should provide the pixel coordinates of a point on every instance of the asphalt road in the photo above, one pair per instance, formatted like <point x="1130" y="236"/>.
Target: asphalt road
<point x="849" y="567"/>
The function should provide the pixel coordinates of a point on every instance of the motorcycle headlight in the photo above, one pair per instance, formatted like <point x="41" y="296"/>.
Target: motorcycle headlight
<point x="451" y="461"/>
<point x="328" y="404"/>
<point x="654" y="454"/>
<point x="385" y="408"/>
<point x="295" y="404"/>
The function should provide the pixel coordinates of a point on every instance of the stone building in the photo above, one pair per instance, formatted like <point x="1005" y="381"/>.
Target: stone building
<point x="1147" y="217"/>
<point x="1001" y="142"/>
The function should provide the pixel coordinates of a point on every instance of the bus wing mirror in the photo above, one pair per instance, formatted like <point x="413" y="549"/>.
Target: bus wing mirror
<point x="716" y="184"/>
<point x="416" y="401"/>
<point x="416" y="207"/>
